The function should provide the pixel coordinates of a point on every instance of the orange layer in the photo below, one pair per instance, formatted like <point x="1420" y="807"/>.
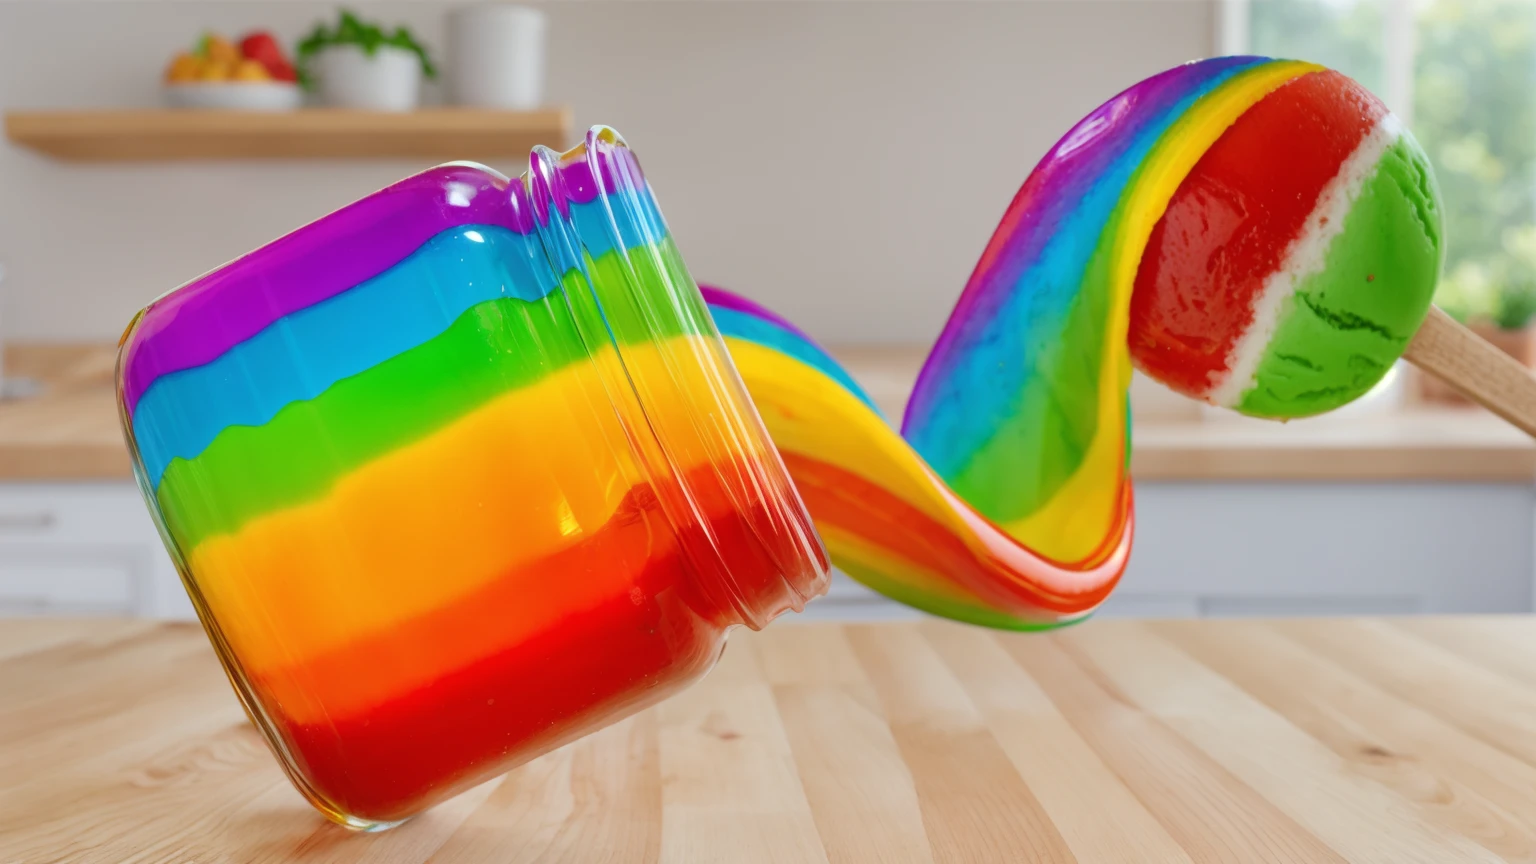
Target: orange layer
<point x="521" y="478"/>
<point x="419" y="527"/>
<point x="812" y="417"/>
<point x="516" y="606"/>
<point x="627" y="558"/>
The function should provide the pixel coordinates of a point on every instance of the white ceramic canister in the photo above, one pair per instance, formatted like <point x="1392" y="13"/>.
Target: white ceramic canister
<point x="496" y="56"/>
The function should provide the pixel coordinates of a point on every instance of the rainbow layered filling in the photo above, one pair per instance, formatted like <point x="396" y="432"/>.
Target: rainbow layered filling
<point x="409" y="457"/>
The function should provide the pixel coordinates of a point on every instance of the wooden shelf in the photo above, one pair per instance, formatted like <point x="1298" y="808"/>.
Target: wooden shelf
<point x="163" y="135"/>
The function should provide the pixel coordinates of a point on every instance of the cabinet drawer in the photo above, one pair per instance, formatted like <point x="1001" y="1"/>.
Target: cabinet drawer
<point x="50" y="580"/>
<point x="73" y="513"/>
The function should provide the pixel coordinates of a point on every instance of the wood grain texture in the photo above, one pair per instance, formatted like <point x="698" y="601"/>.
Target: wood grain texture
<point x="1469" y="363"/>
<point x="1114" y="741"/>
<point x="163" y="135"/>
<point x="71" y="432"/>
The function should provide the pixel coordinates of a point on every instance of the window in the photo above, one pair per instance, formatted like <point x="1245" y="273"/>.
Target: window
<point x="1462" y="73"/>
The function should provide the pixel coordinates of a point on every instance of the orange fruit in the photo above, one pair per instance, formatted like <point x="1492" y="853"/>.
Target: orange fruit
<point x="185" y="67"/>
<point x="221" y="50"/>
<point x="217" y="70"/>
<point x="250" y="70"/>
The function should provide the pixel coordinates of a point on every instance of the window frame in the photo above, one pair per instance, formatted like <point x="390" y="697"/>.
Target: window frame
<point x="1234" y="36"/>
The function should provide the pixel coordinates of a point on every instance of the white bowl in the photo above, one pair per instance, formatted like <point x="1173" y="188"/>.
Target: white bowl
<point x="387" y="80"/>
<point x="235" y="95"/>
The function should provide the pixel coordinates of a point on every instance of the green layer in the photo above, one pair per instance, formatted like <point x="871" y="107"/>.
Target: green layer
<point x="493" y="348"/>
<point x="1050" y="423"/>
<point x="1345" y="326"/>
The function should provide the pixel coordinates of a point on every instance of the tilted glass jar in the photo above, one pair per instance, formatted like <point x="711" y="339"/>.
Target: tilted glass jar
<point x="459" y="473"/>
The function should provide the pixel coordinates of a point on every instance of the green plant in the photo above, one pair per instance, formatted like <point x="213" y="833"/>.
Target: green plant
<point x="351" y="30"/>
<point x="1504" y="297"/>
<point x="1467" y="293"/>
<point x="1516" y="306"/>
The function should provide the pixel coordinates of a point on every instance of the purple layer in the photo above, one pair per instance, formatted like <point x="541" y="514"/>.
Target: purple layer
<point x="200" y="321"/>
<point x="573" y="180"/>
<point x="726" y="300"/>
<point x="1058" y="180"/>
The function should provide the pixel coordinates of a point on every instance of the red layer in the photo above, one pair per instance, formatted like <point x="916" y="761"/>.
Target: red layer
<point x="478" y="721"/>
<point x="839" y="498"/>
<point x="384" y="757"/>
<point x="1230" y="222"/>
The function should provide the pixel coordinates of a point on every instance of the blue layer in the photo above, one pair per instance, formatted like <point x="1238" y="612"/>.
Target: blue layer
<point x="589" y="229"/>
<point x="635" y="214"/>
<point x="1021" y="353"/>
<point x="300" y="355"/>
<point x="733" y="323"/>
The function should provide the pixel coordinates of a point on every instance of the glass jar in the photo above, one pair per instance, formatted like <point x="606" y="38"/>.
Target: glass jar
<point x="459" y="473"/>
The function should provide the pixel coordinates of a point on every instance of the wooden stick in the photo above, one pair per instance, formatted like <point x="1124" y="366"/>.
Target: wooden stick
<point x="1493" y="379"/>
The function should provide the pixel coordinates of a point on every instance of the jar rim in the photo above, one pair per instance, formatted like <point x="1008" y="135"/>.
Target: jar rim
<point x="594" y="197"/>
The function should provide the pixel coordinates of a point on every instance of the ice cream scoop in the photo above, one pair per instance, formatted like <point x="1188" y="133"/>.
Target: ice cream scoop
<point x="1296" y="259"/>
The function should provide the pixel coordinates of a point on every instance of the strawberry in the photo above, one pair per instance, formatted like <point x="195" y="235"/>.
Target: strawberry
<point x="282" y="70"/>
<point x="262" y="47"/>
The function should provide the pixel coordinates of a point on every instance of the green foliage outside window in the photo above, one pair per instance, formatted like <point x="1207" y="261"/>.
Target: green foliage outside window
<point x="1474" y="110"/>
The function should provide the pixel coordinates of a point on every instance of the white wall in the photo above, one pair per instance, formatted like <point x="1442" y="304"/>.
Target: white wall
<point x="843" y="162"/>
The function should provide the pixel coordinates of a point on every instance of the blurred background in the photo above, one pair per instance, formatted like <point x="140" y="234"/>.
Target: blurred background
<point x="841" y="162"/>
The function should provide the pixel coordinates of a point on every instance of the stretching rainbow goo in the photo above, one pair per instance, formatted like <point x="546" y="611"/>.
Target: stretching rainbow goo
<point x="471" y="467"/>
<point x="1261" y="234"/>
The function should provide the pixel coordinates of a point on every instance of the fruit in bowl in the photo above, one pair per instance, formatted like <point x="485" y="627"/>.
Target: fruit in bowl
<point x="251" y="75"/>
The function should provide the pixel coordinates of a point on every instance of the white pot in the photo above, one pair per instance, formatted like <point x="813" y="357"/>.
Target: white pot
<point x="496" y="56"/>
<point x="390" y="80"/>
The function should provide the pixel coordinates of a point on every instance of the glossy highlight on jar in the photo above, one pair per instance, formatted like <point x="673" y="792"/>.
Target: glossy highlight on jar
<point x="458" y="473"/>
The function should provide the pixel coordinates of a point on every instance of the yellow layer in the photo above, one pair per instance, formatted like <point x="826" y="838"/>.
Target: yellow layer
<point x="808" y="413"/>
<point x="1071" y="526"/>
<point x="812" y="415"/>
<point x="520" y="478"/>
<point x="846" y="545"/>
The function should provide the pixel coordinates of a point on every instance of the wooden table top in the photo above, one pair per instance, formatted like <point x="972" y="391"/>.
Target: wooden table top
<point x="1346" y="740"/>
<point x="71" y="432"/>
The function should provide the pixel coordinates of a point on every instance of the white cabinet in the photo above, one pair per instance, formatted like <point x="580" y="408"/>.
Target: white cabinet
<point x="1202" y="549"/>
<point x="83" y="549"/>
<point x="1244" y="549"/>
<point x="1288" y="549"/>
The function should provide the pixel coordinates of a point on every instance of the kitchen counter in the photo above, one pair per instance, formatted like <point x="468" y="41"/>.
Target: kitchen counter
<point x="70" y="432"/>
<point x="1389" y="513"/>
<point x="1175" y="439"/>
<point x="1345" y="740"/>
